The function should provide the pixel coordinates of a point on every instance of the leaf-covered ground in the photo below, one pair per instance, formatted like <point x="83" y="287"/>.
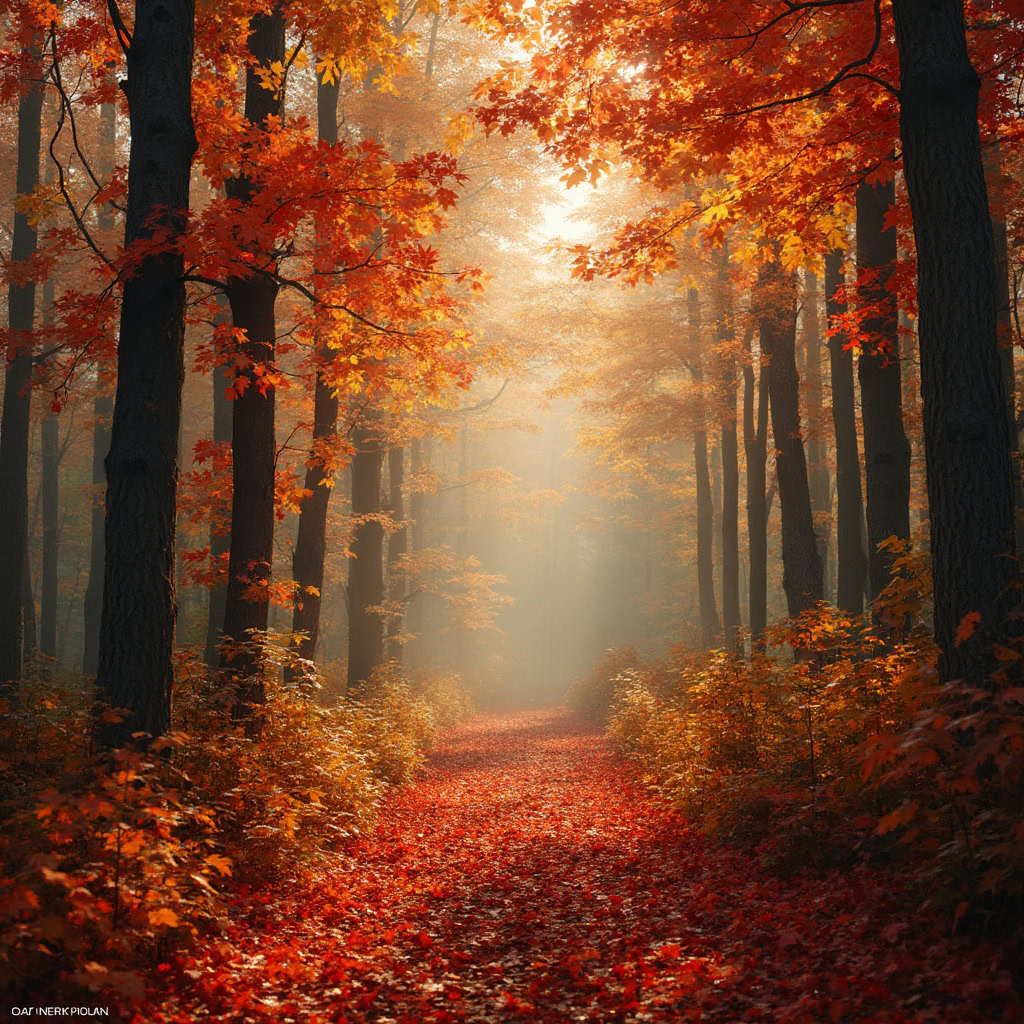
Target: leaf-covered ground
<point x="525" y="876"/>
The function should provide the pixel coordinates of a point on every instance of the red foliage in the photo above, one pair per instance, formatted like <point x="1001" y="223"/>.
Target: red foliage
<point x="527" y="877"/>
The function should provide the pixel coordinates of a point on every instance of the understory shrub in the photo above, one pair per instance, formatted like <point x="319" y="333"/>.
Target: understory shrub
<point x="851" y="749"/>
<point x="591" y="695"/>
<point x="110" y="859"/>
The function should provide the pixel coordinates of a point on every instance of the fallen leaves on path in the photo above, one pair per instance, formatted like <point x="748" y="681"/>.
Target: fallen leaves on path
<point x="525" y="876"/>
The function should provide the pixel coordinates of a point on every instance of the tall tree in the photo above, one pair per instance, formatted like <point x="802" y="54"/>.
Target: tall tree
<point x="727" y="392"/>
<point x="817" y="449"/>
<point x="801" y="567"/>
<point x="14" y="424"/>
<point x="709" y="623"/>
<point x="398" y="546"/>
<point x="311" y="540"/>
<point x="103" y="406"/>
<point x="886" y="448"/>
<point x="851" y="568"/>
<point x="366" y="567"/>
<point x="966" y="434"/>
<point x="253" y="298"/>
<point x="137" y="626"/>
<point x="755" y="450"/>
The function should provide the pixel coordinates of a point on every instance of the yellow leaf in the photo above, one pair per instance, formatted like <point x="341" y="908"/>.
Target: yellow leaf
<point x="220" y="863"/>
<point x="163" y="917"/>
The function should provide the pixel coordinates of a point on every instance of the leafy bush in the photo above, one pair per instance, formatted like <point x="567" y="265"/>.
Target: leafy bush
<point x="850" y="749"/>
<point x="111" y="858"/>
<point x="446" y="694"/>
<point x="591" y="695"/>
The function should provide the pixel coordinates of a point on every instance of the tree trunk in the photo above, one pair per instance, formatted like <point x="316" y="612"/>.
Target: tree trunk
<point x="50" y="443"/>
<point x="851" y="561"/>
<point x="755" y="448"/>
<point x="731" y="621"/>
<point x="14" y="422"/>
<point x="30" y="644"/>
<point x="886" y="448"/>
<point x="366" y="570"/>
<point x="254" y="453"/>
<point x="103" y="406"/>
<point x="996" y="183"/>
<point x="801" y="566"/>
<point x="220" y="538"/>
<point x="311" y="540"/>
<point x="398" y="545"/>
<point x="710" y="628"/>
<point x="137" y="627"/>
<point x="967" y="438"/>
<point x="817" y="449"/>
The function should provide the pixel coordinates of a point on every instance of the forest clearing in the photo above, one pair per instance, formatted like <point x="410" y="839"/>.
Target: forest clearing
<point x="512" y="509"/>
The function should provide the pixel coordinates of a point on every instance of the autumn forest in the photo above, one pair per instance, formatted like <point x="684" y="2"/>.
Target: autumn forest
<point x="510" y="510"/>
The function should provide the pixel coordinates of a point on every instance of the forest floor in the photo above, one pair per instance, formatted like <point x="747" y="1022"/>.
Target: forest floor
<point x="525" y="876"/>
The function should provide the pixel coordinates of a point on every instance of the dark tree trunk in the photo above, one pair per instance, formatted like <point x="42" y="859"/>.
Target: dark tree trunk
<point x="817" y="449"/>
<point x="967" y="438"/>
<point x="50" y="444"/>
<point x="366" y="567"/>
<point x="996" y="183"/>
<point x="137" y="627"/>
<point x="14" y="423"/>
<point x="398" y="545"/>
<point x="710" y="628"/>
<point x="103" y="407"/>
<point x="30" y="643"/>
<point x="731" y="621"/>
<point x="220" y="537"/>
<point x="253" y="447"/>
<point x="801" y="566"/>
<point x="414" y="613"/>
<point x="851" y="561"/>
<point x="755" y="448"/>
<point x="311" y="541"/>
<point x="886" y="448"/>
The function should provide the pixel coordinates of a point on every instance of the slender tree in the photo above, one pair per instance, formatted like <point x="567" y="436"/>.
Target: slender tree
<point x="886" y="448"/>
<point x="103" y="407"/>
<point x="311" y="540"/>
<point x="137" y="627"/>
<point x="14" y="424"/>
<point x="254" y="455"/>
<point x="755" y="450"/>
<point x="709" y="623"/>
<point x="818" y="473"/>
<point x="366" y="567"/>
<point x="851" y="568"/>
<point x="801" y="566"/>
<point x="727" y="393"/>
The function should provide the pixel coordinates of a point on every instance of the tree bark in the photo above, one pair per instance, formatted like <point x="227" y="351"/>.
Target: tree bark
<point x="311" y="541"/>
<point x="253" y="448"/>
<point x="14" y="422"/>
<point x="967" y="438"/>
<point x="731" y="621"/>
<point x="220" y="539"/>
<point x="710" y="627"/>
<point x="851" y="569"/>
<point x="886" y="448"/>
<point x="398" y="546"/>
<point x="103" y="407"/>
<point x="996" y="184"/>
<point x="801" y="566"/>
<point x="817" y="450"/>
<point x="755" y="448"/>
<point x="50" y="445"/>
<point x="30" y="645"/>
<point x="366" y="568"/>
<point x="137" y="627"/>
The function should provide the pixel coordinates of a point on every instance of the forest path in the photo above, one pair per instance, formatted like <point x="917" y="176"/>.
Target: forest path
<point x="524" y="876"/>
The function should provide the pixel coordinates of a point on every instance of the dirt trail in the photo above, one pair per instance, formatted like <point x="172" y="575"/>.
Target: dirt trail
<point x="525" y="876"/>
